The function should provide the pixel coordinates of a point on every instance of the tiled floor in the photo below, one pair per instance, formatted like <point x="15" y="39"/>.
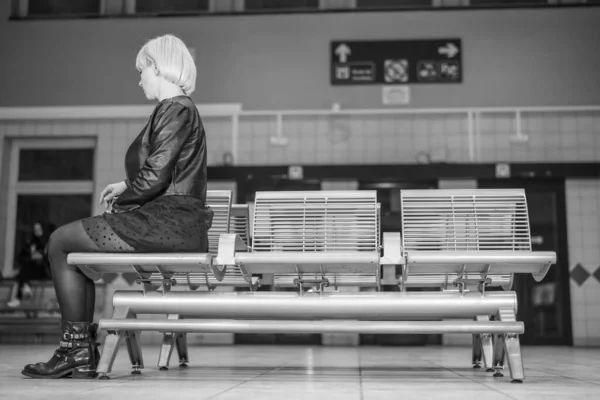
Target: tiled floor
<point x="300" y="372"/>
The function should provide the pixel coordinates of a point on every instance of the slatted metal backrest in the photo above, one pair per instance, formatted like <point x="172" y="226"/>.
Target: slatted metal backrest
<point x="220" y="202"/>
<point x="239" y="221"/>
<point x="378" y="224"/>
<point x="465" y="220"/>
<point x="309" y="221"/>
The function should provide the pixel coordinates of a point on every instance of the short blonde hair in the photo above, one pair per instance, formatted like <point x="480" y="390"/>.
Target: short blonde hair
<point x="170" y="56"/>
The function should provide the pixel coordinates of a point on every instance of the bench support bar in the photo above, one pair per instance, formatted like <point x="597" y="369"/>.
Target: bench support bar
<point x="391" y="306"/>
<point x="321" y="326"/>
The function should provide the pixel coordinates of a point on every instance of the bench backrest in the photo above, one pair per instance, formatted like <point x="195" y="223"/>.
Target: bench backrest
<point x="310" y="221"/>
<point x="220" y="202"/>
<point x="239" y="221"/>
<point x="465" y="220"/>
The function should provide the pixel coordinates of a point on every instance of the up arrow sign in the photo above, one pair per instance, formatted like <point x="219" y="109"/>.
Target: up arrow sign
<point x="342" y="51"/>
<point x="449" y="49"/>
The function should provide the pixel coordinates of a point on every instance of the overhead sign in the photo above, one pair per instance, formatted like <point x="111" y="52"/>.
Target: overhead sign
<point x="396" y="62"/>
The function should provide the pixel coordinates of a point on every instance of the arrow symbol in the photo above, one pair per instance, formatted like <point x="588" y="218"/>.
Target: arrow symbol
<point x="342" y="51"/>
<point x="449" y="50"/>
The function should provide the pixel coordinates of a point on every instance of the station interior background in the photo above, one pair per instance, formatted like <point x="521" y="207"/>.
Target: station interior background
<point x="526" y="113"/>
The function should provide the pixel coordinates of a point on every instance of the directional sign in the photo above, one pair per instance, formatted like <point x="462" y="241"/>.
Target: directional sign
<point x="396" y="62"/>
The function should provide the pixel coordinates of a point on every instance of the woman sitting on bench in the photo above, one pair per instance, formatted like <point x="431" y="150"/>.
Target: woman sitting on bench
<point x="160" y="207"/>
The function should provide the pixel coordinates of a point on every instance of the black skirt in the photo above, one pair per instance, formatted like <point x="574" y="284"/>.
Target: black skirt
<point x="173" y="223"/>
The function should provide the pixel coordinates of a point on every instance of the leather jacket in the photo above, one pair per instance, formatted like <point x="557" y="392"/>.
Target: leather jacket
<point x="167" y="158"/>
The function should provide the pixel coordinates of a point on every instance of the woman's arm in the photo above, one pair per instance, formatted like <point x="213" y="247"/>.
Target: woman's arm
<point x="171" y="132"/>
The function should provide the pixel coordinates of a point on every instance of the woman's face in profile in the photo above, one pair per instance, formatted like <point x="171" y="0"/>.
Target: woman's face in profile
<point x="149" y="82"/>
<point x="37" y="230"/>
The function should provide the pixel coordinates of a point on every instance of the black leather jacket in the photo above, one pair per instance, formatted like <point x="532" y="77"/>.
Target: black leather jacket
<point x="167" y="158"/>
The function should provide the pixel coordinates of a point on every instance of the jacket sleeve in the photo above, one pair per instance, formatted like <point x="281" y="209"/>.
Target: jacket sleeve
<point x="171" y="131"/>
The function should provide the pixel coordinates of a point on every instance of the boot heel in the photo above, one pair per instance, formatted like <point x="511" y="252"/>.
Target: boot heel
<point x="84" y="372"/>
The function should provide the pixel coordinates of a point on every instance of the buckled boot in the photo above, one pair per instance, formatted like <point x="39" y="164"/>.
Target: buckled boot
<point x="77" y="356"/>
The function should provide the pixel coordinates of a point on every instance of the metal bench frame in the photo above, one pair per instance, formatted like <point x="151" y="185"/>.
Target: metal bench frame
<point x="467" y="240"/>
<point x="318" y="236"/>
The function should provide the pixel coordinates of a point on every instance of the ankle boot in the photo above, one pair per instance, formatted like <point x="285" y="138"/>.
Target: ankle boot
<point x="76" y="357"/>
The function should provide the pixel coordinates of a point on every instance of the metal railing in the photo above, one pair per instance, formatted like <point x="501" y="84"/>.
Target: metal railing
<point x="379" y="135"/>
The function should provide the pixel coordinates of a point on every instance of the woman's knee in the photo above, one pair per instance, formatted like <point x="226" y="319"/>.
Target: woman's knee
<point x="70" y="238"/>
<point x="54" y="242"/>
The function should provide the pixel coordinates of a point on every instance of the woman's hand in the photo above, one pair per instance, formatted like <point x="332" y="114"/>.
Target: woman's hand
<point x="110" y="192"/>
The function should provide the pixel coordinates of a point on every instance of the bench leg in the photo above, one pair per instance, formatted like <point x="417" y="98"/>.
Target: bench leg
<point x="109" y="352"/>
<point x="111" y="344"/>
<point x="487" y="347"/>
<point x="498" y="359"/>
<point x="166" y="349"/>
<point x="135" y="351"/>
<point x="515" y="361"/>
<point x="477" y="351"/>
<point x="512" y="348"/>
<point x="182" y="349"/>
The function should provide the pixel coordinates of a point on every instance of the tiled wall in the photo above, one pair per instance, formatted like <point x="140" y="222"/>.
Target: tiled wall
<point x="353" y="139"/>
<point x="343" y="139"/>
<point x="553" y="137"/>
<point x="406" y="138"/>
<point x="583" y="224"/>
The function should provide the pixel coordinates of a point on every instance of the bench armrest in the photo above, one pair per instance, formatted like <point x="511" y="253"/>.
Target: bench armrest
<point x="392" y="249"/>
<point x="229" y="244"/>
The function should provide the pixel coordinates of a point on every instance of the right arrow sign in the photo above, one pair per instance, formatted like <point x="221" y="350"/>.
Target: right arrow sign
<point x="449" y="49"/>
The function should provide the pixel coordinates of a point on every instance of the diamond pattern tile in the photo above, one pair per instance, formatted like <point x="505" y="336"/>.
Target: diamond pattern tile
<point x="108" y="278"/>
<point x="130" y="278"/>
<point x="579" y="274"/>
<point x="597" y="274"/>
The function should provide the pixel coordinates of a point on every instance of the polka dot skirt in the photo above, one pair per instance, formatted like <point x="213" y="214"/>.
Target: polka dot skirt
<point x="167" y="224"/>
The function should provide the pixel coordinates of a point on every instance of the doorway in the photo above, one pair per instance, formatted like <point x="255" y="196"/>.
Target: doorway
<point x="544" y="307"/>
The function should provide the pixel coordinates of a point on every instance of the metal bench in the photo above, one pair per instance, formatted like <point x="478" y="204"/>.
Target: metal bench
<point x="465" y="241"/>
<point x="318" y="236"/>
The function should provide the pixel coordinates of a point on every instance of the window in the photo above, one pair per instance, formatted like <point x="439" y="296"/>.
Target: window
<point x="53" y="8"/>
<point x="507" y="3"/>
<point x="50" y="180"/>
<point x="170" y="6"/>
<point x="282" y="5"/>
<point x="375" y="4"/>
<point x="56" y="164"/>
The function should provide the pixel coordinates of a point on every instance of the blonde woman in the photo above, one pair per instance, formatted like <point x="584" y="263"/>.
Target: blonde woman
<point x="159" y="207"/>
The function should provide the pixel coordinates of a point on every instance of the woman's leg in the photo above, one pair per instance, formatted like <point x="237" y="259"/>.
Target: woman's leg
<point x="75" y="292"/>
<point x="77" y="355"/>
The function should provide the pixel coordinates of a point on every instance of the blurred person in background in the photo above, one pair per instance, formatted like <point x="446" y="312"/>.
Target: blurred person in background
<point x="33" y="263"/>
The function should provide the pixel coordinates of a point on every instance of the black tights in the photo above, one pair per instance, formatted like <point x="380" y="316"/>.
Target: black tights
<point x="76" y="292"/>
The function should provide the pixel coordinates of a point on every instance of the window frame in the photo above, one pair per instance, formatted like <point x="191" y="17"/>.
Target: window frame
<point x="16" y="188"/>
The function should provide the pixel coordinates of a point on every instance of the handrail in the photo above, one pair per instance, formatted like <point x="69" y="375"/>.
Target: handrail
<point x="235" y="117"/>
